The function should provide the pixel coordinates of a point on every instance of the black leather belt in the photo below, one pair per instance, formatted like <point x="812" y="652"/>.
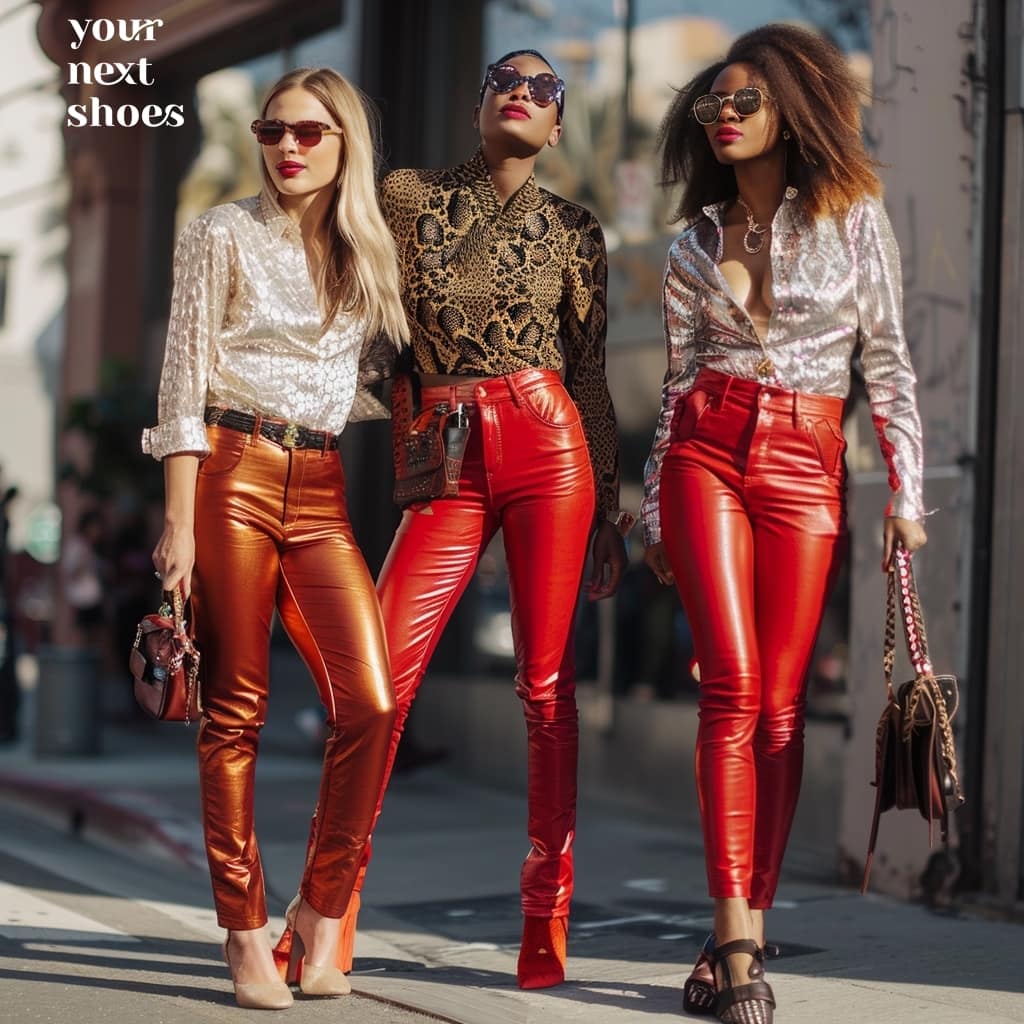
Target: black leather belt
<point x="287" y="435"/>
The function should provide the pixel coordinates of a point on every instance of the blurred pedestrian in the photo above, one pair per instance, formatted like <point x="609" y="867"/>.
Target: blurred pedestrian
<point x="83" y="569"/>
<point x="788" y="262"/>
<point x="500" y="278"/>
<point x="283" y="307"/>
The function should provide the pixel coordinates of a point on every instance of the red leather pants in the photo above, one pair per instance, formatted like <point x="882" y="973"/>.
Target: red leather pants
<point x="526" y="471"/>
<point x="753" y="519"/>
<point x="272" y="530"/>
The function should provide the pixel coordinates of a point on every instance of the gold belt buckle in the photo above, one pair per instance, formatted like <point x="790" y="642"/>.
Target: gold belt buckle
<point x="291" y="436"/>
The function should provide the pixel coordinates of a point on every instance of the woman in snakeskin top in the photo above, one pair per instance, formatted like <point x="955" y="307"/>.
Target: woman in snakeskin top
<point x="504" y="290"/>
<point x="787" y="265"/>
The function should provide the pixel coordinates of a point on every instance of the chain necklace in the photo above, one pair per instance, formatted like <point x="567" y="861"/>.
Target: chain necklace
<point x="753" y="242"/>
<point x="753" y="237"/>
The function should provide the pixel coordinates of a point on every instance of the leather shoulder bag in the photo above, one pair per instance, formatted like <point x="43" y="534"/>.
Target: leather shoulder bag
<point x="915" y="754"/>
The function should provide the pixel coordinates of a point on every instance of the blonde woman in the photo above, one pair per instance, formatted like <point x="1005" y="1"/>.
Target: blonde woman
<point x="283" y="307"/>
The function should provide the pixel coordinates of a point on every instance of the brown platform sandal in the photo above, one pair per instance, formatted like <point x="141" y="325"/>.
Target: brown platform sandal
<point x="752" y="1003"/>
<point x="699" y="991"/>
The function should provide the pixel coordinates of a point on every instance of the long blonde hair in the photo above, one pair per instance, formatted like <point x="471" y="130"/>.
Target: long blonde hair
<point x="359" y="272"/>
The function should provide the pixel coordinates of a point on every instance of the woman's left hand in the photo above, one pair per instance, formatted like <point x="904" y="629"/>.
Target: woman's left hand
<point x="609" y="557"/>
<point x="909" y="532"/>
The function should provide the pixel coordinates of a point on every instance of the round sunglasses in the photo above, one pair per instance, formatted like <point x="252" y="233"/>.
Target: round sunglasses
<point x="307" y="133"/>
<point x="545" y="88"/>
<point x="746" y="101"/>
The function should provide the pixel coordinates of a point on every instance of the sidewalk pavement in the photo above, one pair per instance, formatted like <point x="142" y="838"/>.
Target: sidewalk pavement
<point x="440" y="923"/>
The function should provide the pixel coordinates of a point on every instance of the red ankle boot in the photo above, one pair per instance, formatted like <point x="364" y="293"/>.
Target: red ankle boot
<point x="347" y="939"/>
<point x="282" y="952"/>
<point x="542" y="953"/>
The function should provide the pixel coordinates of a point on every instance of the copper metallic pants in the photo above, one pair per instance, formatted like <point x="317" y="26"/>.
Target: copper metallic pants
<point x="272" y="531"/>
<point x="526" y="471"/>
<point x="753" y="518"/>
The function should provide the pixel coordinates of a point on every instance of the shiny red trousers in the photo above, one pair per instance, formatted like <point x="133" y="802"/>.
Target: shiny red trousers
<point x="526" y="471"/>
<point x="753" y="519"/>
<point x="272" y="530"/>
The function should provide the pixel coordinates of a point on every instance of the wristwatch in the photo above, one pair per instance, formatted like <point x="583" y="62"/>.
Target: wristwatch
<point x="622" y="520"/>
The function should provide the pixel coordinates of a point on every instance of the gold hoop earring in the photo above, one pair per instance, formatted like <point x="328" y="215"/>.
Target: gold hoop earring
<point x="786" y="135"/>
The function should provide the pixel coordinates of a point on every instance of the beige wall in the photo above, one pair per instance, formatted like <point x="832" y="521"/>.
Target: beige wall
<point x="922" y="128"/>
<point x="33" y="193"/>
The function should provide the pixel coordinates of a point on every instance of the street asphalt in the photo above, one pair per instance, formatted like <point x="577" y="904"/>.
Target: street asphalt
<point x="105" y="911"/>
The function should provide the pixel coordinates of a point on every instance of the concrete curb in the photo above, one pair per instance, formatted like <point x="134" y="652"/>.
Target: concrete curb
<point x="124" y="818"/>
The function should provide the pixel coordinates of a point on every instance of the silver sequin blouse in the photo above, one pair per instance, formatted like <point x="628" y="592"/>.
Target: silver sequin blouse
<point x="244" y="333"/>
<point x="834" y="284"/>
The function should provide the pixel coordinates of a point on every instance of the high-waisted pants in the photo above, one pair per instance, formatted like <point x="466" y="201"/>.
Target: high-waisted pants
<point x="526" y="471"/>
<point x="272" y="530"/>
<point x="753" y="519"/>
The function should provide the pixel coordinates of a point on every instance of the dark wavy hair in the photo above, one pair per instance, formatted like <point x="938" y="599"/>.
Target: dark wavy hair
<point x="812" y="94"/>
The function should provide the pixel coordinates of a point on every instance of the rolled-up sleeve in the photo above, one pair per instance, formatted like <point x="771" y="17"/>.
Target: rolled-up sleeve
<point x="202" y="283"/>
<point x="888" y="373"/>
<point x="679" y="311"/>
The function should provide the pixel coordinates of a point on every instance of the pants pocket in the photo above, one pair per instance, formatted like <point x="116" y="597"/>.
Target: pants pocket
<point x="227" y="447"/>
<point x="689" y="411"/>
<point x="830" y="445"/>
<point x="552" y="406"/>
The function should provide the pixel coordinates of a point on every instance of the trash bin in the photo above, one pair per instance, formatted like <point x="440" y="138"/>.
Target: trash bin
<point x="68" y="702"/>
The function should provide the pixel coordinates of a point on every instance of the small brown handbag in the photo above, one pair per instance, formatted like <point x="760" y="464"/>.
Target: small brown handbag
<point x="915" y="754"/>
<point x="427" y="446"/>
<point x="164" y="663"/>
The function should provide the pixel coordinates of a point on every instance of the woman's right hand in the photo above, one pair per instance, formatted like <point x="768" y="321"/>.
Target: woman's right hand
<point x="175" y="552"/>
<point x="657" y="561"/>
<point x="174" y="556"/>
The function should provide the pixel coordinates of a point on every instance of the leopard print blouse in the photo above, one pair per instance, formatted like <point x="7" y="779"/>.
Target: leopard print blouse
<point x="491" y="289"/>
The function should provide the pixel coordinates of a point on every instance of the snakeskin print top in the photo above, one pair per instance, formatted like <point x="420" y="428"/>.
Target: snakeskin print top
<point x="491" y="289"/>
<point x="244" y="333"/>
<point x="834" y="284"/>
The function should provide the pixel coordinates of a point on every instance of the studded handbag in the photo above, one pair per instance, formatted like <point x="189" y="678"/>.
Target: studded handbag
<point x="915" y="754"/>
<point x="164" y="663"/>
<point x="427" y="444"/>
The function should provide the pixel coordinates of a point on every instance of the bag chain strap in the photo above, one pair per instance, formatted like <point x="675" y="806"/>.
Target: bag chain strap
<point x="187" y="648"/>
<point x="917" y="647"/>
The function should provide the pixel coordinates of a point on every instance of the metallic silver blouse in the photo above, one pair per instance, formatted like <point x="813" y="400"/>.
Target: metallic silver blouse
<point x="834" y="284"/>
<point x="244" y="333"/>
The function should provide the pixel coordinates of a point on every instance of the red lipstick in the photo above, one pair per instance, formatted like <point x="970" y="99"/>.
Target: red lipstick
<point x="289" y="168"/>
<point x="515" y="112"/>
<point x="728" y="134"/>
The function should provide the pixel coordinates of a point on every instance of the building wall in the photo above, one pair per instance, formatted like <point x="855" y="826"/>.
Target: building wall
<point x="33" y="194"/>
<point x="924" y="127"/>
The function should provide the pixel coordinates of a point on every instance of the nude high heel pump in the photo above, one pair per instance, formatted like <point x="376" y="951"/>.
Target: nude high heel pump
<point x="312" y="979"/>
<point x="266" y="995"/>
